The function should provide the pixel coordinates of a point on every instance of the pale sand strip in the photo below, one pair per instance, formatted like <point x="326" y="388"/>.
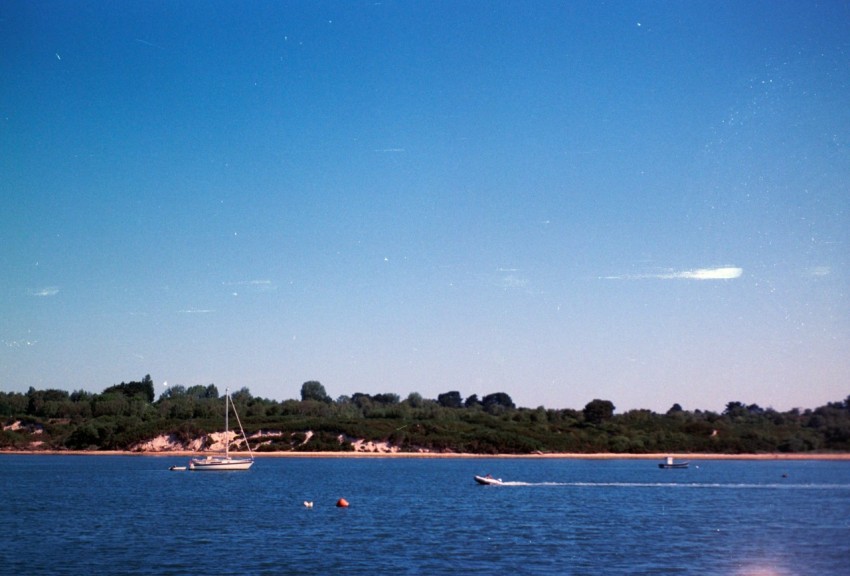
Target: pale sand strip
<point x="573" y="456"/>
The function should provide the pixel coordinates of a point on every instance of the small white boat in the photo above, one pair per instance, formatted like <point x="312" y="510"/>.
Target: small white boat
<point x="669" y="463"/>
<point x="211" y="463"/>
<point x="488" y="480"/>
<point x="177" y="468"/>
<point x="225" y="462"/>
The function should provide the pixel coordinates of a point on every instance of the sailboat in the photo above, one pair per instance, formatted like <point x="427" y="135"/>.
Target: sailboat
<point x="225" y="462"/>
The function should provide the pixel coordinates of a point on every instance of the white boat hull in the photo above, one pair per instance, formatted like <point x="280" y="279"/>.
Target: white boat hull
<point x="488" y="480"/>
<point x="670" y="463"/>
<point x="215" y="464"/>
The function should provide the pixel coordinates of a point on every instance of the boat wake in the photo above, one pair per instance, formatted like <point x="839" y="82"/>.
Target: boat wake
<point x="691" y="485"/>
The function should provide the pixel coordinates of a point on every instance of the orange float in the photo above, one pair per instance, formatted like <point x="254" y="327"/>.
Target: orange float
<point x="342" y="503"/>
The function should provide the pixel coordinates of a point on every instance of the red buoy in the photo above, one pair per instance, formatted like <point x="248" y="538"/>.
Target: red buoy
<point x="342" y="503"/>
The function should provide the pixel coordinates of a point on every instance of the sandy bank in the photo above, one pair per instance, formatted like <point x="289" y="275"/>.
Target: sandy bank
<point x="573" y="456"/>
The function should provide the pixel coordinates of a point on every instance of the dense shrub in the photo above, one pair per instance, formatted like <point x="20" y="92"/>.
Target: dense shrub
<point x="123" y="415"/>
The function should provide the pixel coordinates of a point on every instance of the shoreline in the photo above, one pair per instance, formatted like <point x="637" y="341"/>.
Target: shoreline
<point x="843" y="456"/>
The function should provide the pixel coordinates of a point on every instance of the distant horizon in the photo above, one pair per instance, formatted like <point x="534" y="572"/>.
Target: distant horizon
<point x="639" y="202"/>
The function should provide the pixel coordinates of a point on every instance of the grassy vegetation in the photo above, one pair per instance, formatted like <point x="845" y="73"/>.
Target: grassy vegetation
<point x="125" y="415"/>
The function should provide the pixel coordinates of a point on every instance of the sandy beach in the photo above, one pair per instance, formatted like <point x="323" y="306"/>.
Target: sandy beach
<point x="574" y="456"/>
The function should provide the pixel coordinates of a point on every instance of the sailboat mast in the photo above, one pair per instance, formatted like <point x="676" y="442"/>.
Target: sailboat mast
<point x="226" y="423"/>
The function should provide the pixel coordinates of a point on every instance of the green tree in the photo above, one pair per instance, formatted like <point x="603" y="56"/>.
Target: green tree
<point x="130" y="389"/>
<point x="414" y="400"/>
<point x="498" y="399"/>
<point x="450" y="399"/>
<point x="175" y="391"/>
<point x="13" y="404"/>
<point x="42" y="403"/>
<point x="735" y="409"/>
<point x="597" y="411"/>
<point x="386" y="398"/>
<point x="313" y="390"/>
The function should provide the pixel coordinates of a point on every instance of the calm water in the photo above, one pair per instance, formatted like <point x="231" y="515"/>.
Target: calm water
<point x="130" y="515"/>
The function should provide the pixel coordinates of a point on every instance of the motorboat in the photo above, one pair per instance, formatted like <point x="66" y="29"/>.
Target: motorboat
<point x="670" y="463"/>
<point x="488" y="480"/>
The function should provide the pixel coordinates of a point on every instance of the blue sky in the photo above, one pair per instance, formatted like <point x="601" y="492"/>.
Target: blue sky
<point x="644" y="202"/>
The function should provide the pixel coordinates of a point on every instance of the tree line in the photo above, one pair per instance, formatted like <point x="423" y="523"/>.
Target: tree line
<point x="127" y="414"/>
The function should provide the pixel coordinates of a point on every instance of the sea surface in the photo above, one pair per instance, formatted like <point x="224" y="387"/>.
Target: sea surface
<point x="102" y="515"/>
